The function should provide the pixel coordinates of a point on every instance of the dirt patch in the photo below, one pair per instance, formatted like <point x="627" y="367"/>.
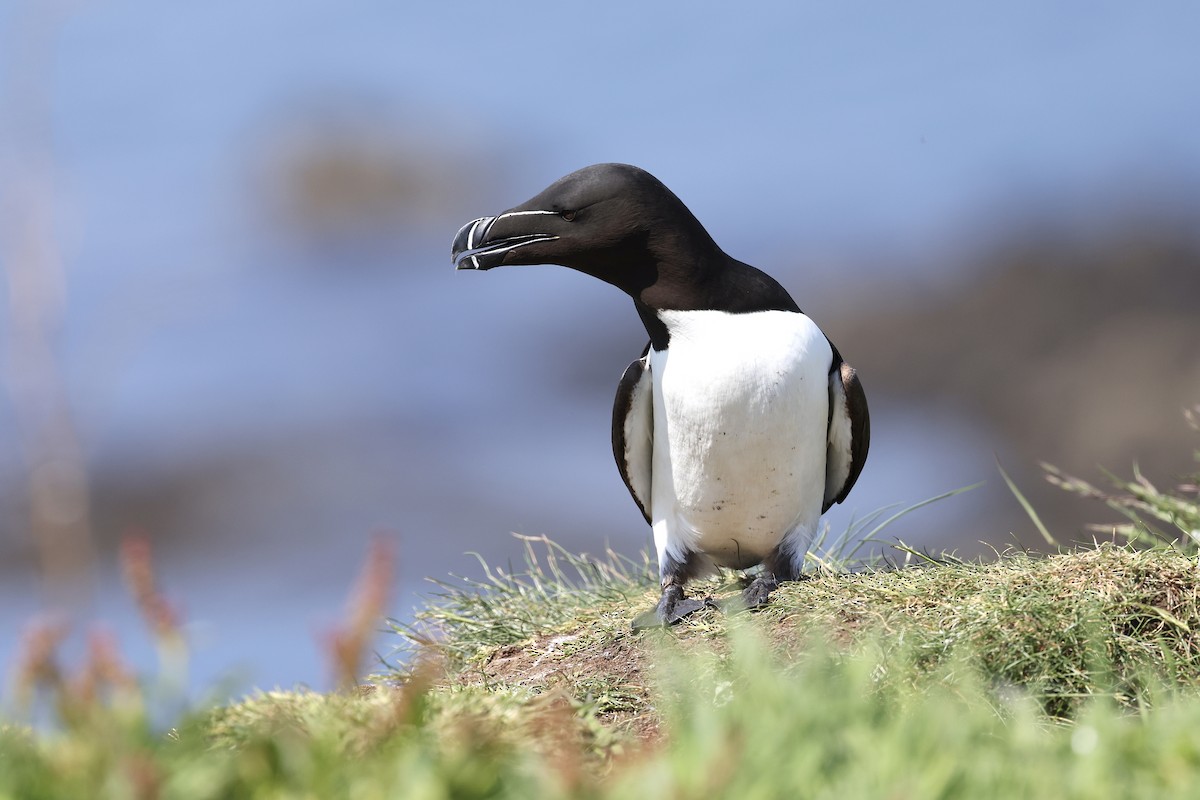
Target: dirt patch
<point x="608" y="676"/>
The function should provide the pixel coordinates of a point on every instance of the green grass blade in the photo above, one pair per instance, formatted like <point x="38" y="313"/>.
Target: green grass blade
<point x="1029" y="509"/>
<point x="870" y="537"/>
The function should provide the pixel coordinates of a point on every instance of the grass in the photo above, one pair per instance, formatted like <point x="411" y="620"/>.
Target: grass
<point x="1110" y="621"/>
<point x="1153" y="517"/>
<point x="1070" y="676"/>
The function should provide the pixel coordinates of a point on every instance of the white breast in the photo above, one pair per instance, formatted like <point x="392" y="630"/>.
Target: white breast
<point x="740" y="427"/>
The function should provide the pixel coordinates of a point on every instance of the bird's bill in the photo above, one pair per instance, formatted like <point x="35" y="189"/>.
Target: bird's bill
<point x="478" y="246"/>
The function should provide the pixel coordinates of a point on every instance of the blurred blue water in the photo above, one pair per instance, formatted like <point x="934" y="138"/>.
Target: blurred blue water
<point x="329" y="390"/>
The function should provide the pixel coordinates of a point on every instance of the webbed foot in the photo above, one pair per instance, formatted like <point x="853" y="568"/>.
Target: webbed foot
<point x="758" y="593"/>
<point x="672" y="607"/>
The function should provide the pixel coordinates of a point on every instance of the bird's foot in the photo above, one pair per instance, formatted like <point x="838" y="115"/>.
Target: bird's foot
<point x="759" y="591"/>
<point x="753" y="597"/>
<point x="672" y="607"/>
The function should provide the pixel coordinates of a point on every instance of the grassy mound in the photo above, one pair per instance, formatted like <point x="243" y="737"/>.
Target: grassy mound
<point x="1068" y="676"/>
<point x="1109" y="621"/>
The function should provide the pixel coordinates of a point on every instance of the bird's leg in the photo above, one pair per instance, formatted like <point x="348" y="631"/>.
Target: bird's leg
<point x="673" y="605"/>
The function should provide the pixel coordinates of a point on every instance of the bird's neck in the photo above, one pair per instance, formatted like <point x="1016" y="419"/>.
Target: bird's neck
<point x="687" y="284"/>
<point x="720" y="284"/>
<point x="660" y="337"/>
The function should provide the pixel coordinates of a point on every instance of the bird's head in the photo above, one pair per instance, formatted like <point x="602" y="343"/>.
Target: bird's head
<point x="613" y="221"/>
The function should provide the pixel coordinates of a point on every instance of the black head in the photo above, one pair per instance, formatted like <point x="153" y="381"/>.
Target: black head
<point x="613" y="221"/>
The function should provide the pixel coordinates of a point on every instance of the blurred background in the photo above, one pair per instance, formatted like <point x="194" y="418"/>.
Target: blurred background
<point x="229" y="320"/>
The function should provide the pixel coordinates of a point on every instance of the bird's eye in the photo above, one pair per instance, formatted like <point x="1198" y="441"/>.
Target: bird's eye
<point x="567" y="215"/>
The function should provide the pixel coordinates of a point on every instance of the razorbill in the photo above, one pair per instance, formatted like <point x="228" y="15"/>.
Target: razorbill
<point x="740" y="424"/>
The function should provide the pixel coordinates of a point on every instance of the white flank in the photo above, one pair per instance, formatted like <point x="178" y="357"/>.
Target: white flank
<point x="740" y="425"/>
<point x="840" y="439"/>
<point x="639" y="437"/>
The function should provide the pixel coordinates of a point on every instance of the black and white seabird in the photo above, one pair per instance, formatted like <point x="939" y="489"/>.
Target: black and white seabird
<point x="740" y="424"/>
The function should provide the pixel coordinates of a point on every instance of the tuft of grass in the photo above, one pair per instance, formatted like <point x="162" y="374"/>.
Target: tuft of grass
<point x="845" y="551"/>
<point x="1028" y="508"/>
<point x="468" y="617"/>
<point x="1144" y="505"/>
